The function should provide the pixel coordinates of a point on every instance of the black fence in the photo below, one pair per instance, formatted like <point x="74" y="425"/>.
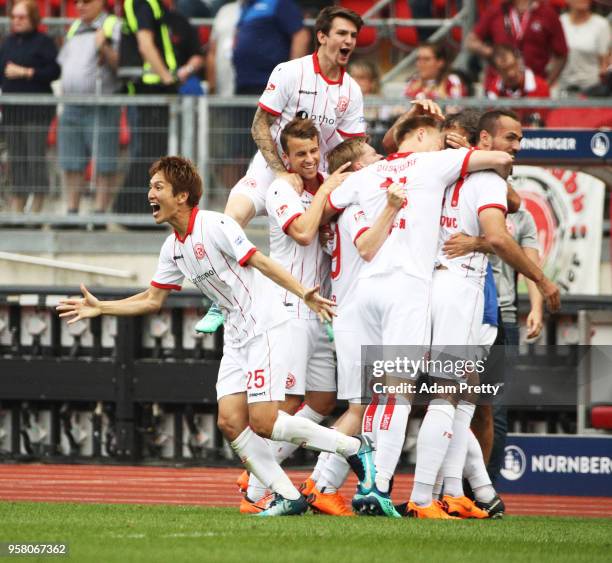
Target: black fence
<point x="140" y="389"/>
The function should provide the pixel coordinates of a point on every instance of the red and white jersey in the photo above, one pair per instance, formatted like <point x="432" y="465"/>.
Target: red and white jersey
<point x="461" y="207"/>
<point x="299" y="87"/>
<point x="308" y="264"/>
<point x="413" y="242"/>
<point x="213" y="256"/>
<point x="346" y="262"/>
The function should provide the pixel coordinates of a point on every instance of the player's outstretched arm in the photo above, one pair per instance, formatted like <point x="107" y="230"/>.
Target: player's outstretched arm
<point x="369" y="243"/>
<point x="499" y="161"/>
<point x="305" y="228"/>
<point x="260" y="130"/>
<point x="271" y="269"/>
<point x="89" y="306"/>
<point x="493" y="225"/>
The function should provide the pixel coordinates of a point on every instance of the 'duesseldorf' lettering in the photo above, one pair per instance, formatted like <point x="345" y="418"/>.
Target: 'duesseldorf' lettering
<point x="596" y="465"/>
<point x="449" y="222"/>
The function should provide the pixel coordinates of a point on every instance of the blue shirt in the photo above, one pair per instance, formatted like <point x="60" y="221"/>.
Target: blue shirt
<point x="490" y="299"/>
<point x="263" y="40"/>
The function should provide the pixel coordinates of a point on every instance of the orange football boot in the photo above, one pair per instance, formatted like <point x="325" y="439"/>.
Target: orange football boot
<point x="307" y="487"/>
<point x="243" y="482"/>
<point x="249" y="507"/>
<point x="462" y="507"/>
<point x="332" y="504"/>
<point x="433" y="510"/>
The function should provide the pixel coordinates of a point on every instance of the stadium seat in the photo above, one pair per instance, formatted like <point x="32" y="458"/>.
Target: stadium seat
<point x="368" y="36"/>
<point x="404" y="37"/>
<point x="575" y="117"/>
<point x="204" y="34"/>
<point x="601" y="417"/>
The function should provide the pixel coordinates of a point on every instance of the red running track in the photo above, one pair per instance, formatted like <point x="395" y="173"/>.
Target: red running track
<point x="209" y="486"/>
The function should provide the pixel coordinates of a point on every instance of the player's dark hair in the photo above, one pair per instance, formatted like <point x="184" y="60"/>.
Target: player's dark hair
<point x="489" y="119"/>
<point x="298" y="128"/>
<point x="327" y="15"/>
<point x="412" y="124"/>
<point x="347" y="151"/>
<point x="468" y="120"/>
<point x="182" y="174"/>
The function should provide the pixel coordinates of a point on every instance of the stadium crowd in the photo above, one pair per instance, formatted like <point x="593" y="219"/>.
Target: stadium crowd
<point x="518" y="48"/>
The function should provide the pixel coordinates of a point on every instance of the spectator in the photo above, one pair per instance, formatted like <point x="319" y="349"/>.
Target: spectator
<point x="166" y="47"/>
<point x="433" y="79"/>
<point x="268" y="33"/>
<point x="588" y="39"/>
<point x="516" y="81"/>
<point x="531" y="26"/>
<point x="28" y="66"/>
<point x="366" y="74"/>
<point x="89" y="60"/>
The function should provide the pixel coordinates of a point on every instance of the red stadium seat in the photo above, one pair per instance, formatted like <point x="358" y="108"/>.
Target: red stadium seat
<point x="601" y="417"/>
<point x="574" y="117"/>
<point x="404" y="37"/>
<point x="368" y="36"/>
<point x="204" y="34"/>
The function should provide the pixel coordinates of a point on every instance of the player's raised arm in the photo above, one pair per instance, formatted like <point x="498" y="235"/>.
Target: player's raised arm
<point x="269" y="268"/>
<point x="369" y="243"/>
<point x="499" y="161"/>
<point x="418" y="107"/>
<point x="89" y="306"/>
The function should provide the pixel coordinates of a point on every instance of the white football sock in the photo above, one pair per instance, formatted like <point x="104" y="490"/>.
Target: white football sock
<point x="257" y="457"/>
<point x="390" y="437"/>
<point x="311" y="436"/>
<point x="437" y="488"/>
<point x="432" y="443"/>
<point x="318" y="468"/>
<point x="284" y="449"/>
<point x="452" y="468"/>
<point x="475" y="471"/>
<point x="333" y="474"/>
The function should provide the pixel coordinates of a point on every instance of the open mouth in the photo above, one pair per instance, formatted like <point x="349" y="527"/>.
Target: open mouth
<point x="345" y="52"/>
<point x="155" y="208"/>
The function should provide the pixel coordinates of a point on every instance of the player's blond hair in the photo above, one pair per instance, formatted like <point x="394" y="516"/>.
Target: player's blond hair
<point x="182" y="175"/>
<point x="412" y="124"/>
<point x="349" y="150"/>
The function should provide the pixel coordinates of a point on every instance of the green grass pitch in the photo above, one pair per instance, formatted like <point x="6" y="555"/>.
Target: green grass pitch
<point x="173" y="534"/>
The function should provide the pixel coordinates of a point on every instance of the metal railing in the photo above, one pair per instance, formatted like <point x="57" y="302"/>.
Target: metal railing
<point x="36" y="160"/>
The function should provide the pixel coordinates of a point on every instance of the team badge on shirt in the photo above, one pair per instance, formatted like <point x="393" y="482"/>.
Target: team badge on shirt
<point x="343" y="103"/>
<point x="198" y="250"/>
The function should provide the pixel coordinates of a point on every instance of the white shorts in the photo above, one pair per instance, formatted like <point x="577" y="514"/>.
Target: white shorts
<point x="394" y="310"/>
<point x="488" y="334"/>
<point x="255" y="183"/>
<point x="457" y="311"/>
<point x="259" y="368"/>
<point x="311" y="358"/>
<point x="348" y="353"/>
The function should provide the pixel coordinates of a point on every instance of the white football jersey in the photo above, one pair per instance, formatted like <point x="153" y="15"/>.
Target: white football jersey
<point x="413" y="242"/>
<point x="299" y="87"/>
<point x="213" y="256"/>
<point x="308" y="264"/>
<point x="346" y="262"/>
<point x="462" y="204"/>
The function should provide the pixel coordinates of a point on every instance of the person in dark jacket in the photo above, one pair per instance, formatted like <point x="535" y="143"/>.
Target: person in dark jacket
<point x="27" y="66"/>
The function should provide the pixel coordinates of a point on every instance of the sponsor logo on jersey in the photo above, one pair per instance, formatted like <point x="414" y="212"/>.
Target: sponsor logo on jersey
<point x="239" y="240"/>
<point x="308" y="92"/>
<point x="201" y="277"/>
<point x="249" y="182"/>
<point x="270" y="87"/>
<point x="290" y="382"/>
<point x="281" y="210"/>
<point x="320" y="119"/>
<point x="450" y="222"/>
<point x="198" y="250"/>
<point x="343" y="103"/>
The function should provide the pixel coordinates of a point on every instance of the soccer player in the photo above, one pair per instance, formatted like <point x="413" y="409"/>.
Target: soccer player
<point x="213" y="252"/>
<point x="475" y="205"/>
<point x="316" y="87"/>
<point x="393" y="289"/>
<point x="355" y="240"/>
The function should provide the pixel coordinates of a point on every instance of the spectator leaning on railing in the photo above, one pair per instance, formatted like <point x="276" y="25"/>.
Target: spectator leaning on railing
<point x="28" y="66"/>
<point x="514" y="80"/>
<point x="433" y="79"/>
<point x="89" y="60"/>
<point x="531" y="26"/>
